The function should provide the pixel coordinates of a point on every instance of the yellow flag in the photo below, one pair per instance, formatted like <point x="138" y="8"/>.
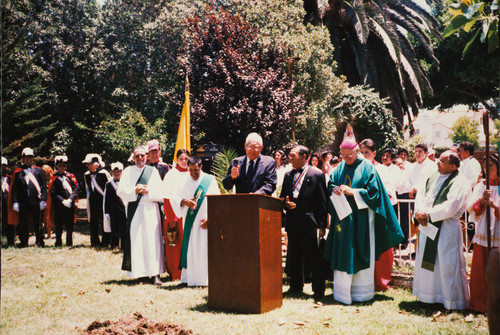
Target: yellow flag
<point x="184" y="133"/>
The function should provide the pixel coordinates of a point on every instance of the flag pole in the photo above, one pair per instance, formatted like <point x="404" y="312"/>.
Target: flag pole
<point x="486" y="126"/>
<point x="184" y="132"/>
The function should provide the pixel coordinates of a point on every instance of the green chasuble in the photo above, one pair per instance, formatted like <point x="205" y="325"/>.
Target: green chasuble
<point x="348" y="242"/>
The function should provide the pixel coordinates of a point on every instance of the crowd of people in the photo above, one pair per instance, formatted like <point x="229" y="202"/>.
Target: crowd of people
<point x="340" y="214"/>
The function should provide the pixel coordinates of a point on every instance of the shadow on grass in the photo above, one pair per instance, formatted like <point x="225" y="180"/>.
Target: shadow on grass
<point x="136" y="281"/>
<point x="329" y="301"/>
<point x="427" y="310"/>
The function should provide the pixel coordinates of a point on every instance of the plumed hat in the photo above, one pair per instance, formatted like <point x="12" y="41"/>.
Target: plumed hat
<point x="116" y="165"/>
<point x="89" y="158"/>
<point x="60" y="159"/>
<point x="27" y="152"/>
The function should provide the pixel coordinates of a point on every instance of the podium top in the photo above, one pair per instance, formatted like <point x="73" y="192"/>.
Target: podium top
<point x="243" y="195"/>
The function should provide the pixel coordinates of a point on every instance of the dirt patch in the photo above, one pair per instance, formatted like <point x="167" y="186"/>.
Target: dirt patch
<point x="135" y="324"/>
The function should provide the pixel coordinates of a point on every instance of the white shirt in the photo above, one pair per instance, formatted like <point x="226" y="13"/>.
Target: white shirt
<point x="419" y="172"/>
<point x="470" y="169"/>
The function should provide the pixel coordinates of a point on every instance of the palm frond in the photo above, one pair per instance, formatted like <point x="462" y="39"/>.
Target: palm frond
<point x="220" y="166"/>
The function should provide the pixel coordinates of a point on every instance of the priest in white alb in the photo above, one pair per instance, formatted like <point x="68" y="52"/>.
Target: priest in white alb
<point x="191" y="205"/>
<point x="440" y="274"/>
<point x="141" y="187"/>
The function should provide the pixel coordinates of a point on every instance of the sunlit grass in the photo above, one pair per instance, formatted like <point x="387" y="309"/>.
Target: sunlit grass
<point x="63" y="290"/>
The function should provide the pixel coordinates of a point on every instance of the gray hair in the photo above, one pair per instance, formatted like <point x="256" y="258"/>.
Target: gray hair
<point x="254" y="137"/>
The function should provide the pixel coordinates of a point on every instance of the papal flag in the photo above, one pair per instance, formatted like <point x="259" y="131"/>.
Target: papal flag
<point x="184" y="133"/>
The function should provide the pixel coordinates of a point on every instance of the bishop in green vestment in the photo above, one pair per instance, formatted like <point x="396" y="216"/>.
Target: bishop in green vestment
<point x="355" y="242"/>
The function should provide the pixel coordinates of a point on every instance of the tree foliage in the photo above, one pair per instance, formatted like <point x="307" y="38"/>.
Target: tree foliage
<point x="369" y="116"/>
<point x="25" y="120"/>
<point x="237" y="87"/>
<point x="374" y="45"/>
<point x="465" y="129"/>
<point x="465" y="15"/>
<point x="466" y="80"/>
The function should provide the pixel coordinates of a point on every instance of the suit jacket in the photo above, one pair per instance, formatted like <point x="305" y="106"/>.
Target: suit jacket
<point x="59" y="193"/>
<point x="263" y="182"/>
<point x="113" y="204"/>
<point x="26" y="194"/>
<point x="162" y="168"/>
<point x="311" y="210"/>
<point x="94" y="197"/>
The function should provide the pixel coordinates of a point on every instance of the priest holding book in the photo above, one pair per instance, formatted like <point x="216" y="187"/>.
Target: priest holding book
<point x="358" y="238"/>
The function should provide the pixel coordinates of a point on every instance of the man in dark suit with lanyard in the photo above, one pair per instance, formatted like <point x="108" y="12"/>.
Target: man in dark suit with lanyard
<point x="28" y="197"/>
<point x="305" y="204"/>
<point x="252" y="173"/>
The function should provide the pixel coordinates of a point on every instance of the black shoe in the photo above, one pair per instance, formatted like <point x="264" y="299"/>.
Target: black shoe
<point x="157" y="280"/>
<point x="40" y="244"/>
<point x="182" y="285"/>
<point x="317" y="297"/>
<point x="58" y="244"/>
<point x="292" y="292"/>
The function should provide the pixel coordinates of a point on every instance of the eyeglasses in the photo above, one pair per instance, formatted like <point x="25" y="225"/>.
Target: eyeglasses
<point x="139" y="156"/>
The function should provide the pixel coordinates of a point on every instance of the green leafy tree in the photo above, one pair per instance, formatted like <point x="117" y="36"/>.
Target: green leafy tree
<point x="466" y="80"/>
<point x="369" y="116"/>
<point x="120" y="136"/>
<point x="238" y="87"/>
<point x="281" y="25"/>
<point x="477" y="18"/>
<point x="465" y="129"/>
<point x="24" y="120"/>
<point x="374" y="45"/>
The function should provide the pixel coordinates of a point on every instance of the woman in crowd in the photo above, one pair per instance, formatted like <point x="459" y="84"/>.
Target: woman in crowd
<point x="282" y="167"/>
<point x="173" y="182"/>
<point x="480" y="201"/>
<point x="316" y="160"/>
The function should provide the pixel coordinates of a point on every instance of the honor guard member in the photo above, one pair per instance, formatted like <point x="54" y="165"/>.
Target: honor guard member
<point x="63" y="193"/>
<point x="95" y="181"/>
<point x="114" y="207"/>
<point x="8" y="229"/>
<point x="28" y="198"/>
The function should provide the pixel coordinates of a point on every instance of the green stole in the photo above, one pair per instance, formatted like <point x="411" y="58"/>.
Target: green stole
<point x="199" y="195"/>
<point x="430" y="249"/>
<point x="131" y="208"/>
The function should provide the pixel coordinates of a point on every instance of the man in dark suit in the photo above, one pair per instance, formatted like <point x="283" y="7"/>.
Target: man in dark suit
<point x="114" y="208"/>
<point x="95" y="181"/>
<point x="63" y="189"/>
<point x="252" y="173"/>
<point x="7" y="229"/>
<point x="28" y="197"/>
<point x="154" y="158"/>
<point x="305" y="204"/>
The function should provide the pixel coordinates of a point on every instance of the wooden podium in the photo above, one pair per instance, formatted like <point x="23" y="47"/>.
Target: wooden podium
<point x="244" y="253"/>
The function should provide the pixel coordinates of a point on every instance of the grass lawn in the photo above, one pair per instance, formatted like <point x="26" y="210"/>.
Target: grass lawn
<point x="63" y="290"/>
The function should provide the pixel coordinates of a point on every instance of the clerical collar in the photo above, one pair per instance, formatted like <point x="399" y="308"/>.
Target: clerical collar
<point x="180" y="168"/>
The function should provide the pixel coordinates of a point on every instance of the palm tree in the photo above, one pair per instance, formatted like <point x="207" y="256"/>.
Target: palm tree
<point x="375" y="42"/>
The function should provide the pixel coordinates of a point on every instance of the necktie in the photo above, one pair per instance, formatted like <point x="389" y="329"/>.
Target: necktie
<point x="296" y="175"/>
<point x="250" y="171"/>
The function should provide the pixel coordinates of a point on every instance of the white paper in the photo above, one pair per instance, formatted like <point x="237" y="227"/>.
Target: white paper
<point x="430" y="230"/>
<point x="359" y="199"/>
<point x="341" y="205"/>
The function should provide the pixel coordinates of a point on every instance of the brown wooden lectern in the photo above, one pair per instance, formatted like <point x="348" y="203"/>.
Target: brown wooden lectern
<point x="244" y="253"/>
